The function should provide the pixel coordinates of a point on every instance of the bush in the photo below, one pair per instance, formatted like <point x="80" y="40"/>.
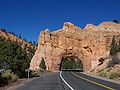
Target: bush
<point x="114" y="60"/>
<point x="110" y="75"/>
<point x="9" y="76"/>
<point x="35" y="73"/>
<point x="104" y="74"/>
<point x="114" y="75"/>
<point x="3" y="81"/>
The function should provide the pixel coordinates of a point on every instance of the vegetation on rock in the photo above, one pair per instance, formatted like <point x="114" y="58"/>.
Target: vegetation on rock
<point x="110" y="75"/>
<point x="116" y="21"/>
<point x="109" y="67"/>
<point x="113" y="46"/>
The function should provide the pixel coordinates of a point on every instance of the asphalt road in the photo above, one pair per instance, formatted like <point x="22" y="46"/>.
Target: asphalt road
<point x="49" y="81"/>
<point x="67" y="80"/>
<point x="79" y="81"/>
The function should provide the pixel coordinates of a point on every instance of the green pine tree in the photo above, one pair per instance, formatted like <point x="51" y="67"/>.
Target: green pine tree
<point x="113" y="46"/>
<point x="42" y="64"/>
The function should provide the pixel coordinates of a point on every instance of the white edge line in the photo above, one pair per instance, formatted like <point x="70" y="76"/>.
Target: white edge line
<point x="65" y="81"/>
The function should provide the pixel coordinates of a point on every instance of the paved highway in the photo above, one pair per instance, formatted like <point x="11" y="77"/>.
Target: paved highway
<point x="67" y="80"/>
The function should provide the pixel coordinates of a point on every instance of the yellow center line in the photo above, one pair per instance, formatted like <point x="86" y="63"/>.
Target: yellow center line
<point x="93" y="82"/>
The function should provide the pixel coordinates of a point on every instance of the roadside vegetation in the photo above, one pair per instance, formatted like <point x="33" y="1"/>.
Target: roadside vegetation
<point x="7" y="76"/>
<point x="71" y="63"/>
<point x="37" y="73"/>
<point x="14" y="61"/>
<point x="42" y="64"/>
<point x="115" y="49"/>
<point x="112" y="70"/>
<point x="109" y="75"/>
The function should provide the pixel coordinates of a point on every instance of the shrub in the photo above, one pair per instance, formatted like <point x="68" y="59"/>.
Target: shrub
<point x="35" y="73"/>
<point x="3" y="81"/>
<point x="114" y="75"/>
<point x="114" y="60"/>
<point x="103" y="74"/>
<point x="9" y="76"/>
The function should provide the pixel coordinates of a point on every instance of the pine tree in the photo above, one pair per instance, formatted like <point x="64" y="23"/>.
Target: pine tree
<point x="42" y="64"/>
<point x="116" y="21"/>
<point x="113" y="46"/>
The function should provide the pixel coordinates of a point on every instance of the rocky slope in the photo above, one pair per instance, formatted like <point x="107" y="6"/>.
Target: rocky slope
<point x="109" y="68"/>
<point x="88" y="44"/>
<point x="13" y="38"/>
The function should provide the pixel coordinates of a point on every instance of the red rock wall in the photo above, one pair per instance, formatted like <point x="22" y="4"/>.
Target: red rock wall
<point x="88" y="45"/>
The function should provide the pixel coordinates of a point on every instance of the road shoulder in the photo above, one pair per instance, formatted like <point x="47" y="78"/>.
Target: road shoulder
<point x="106" y="79"/>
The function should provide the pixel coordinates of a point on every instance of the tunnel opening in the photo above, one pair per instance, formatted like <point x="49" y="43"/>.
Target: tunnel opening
<point x="71" y="63"/>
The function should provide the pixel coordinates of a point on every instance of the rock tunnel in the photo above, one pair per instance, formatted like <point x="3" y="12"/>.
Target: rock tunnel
<point x="71" y="63"/>
<point x="87" y="45"/>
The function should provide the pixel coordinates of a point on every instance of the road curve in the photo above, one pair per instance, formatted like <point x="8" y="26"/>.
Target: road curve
<point x="79" y="81"/>
<point x="67" y="80"/>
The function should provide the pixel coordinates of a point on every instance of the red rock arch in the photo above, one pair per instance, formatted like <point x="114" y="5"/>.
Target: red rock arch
<point x="69" y="52"/>
<point x="88" y="45"/>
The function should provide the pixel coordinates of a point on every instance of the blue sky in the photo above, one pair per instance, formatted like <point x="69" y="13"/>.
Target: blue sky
<point x="29" y="17"/>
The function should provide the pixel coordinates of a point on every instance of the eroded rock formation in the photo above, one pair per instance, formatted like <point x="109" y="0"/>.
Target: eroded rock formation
<point x="88" y="44"/>
<point x="8" y="36"/>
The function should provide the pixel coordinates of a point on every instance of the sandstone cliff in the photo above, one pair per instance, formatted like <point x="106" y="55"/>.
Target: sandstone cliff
<point x="88" y="44"/>
<point x="13" y="38"/>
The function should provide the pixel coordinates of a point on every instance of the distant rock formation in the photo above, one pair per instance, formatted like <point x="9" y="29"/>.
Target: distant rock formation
<point x="88" y="44"/>
<point x="13" y="38"/>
